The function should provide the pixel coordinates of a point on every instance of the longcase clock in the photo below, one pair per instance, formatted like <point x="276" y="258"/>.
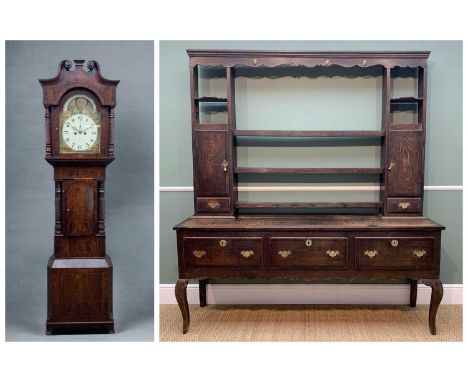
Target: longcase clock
<point x="79" y="138"/>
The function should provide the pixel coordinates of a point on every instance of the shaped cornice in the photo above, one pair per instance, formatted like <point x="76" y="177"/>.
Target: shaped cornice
<point x="71" y="75"/>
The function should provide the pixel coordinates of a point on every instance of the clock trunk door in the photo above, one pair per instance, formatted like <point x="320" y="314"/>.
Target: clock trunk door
<point x="79" y="207"/>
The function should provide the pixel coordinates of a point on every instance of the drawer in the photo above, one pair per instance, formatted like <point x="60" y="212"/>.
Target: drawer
<point x="308" y="252"/>
<point x="394" y="252"/>
<point x="213" y="204"/>
<point x="405" y="205"/>
<point x="240" y="252"/>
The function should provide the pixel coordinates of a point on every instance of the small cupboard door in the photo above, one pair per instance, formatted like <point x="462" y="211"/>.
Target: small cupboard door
<point x="211" y="157"/>
<point x="404" y="163"/>
<point x="79" y="207"/>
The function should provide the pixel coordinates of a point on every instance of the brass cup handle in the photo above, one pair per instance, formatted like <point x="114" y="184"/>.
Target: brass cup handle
<point x="394" y="243"/>
<point x="333" y="253"/>
<point x="392" y="165"/>
<point x="247" y="253"/>
<point x="404" y="205"/>
<point x="198" y="254"/>
<point x="419" y="252"/>
<point x="284" y="253"/>
<point x="371" y="253"/>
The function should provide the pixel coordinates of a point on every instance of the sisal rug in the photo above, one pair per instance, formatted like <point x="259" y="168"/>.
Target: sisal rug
<point x="310" y="323"/>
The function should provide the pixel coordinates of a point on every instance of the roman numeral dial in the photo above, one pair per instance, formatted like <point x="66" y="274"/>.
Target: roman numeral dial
<point x="80" y="133"/>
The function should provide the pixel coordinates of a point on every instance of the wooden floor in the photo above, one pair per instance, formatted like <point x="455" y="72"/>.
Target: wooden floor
<point x="310" y="323"/>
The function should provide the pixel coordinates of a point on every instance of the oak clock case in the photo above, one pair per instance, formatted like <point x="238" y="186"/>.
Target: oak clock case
<point x="79" y="138"/>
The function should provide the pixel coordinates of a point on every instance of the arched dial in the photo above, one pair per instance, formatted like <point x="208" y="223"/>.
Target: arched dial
<point x="80" y="132"/>
<point x="80" y="125"/>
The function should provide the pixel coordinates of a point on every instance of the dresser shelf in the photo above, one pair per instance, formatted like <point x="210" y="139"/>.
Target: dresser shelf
<point x="303" y="170"/>
<point x="308" y="133"/>
<point x="384" y="239"/>
<point x="305" y="205"/>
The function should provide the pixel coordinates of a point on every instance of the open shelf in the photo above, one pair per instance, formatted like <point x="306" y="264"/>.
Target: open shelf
<point x="210" y="99"/>
<point x="300" y="133"/>
<point x="406" y="100"/>
<point x="303" y="170"/>
<point x="255" y="205"/>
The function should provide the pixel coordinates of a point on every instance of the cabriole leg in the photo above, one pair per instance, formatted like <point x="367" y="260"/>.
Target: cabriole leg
<point x="181" y="297"/>
<point x="436" y="298"/>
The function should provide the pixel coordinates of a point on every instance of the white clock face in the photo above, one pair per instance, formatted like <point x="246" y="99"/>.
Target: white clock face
<point x="80" y="132"/>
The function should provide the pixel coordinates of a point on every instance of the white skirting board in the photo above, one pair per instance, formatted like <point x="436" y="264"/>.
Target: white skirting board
<point x="310" y="294"/>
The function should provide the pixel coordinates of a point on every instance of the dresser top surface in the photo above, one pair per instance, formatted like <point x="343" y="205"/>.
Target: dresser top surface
<point x="315" y="222"/>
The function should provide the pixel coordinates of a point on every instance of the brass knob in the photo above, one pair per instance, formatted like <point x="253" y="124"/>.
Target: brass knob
<point x="222" y="243"/>
<point x="419" y="252"/>
<point x="284" y="253"/>
<point x="392" y="165"/>
<point x="327" y="62"/>
<point x="394" y="243"/>
<point x="370" y="253"/>
<point x="308" y="242"/>
<point x="198" y="254"/>
<point x="332" y="253"/>
<point x="364" y="62"/>
<point x="225" y="165"/>
<point x="254" y="61"/>
<point x="247" y="253"/>
<point x="404" y="205"/>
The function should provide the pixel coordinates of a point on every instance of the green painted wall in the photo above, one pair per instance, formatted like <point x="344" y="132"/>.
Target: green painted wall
<point x="317" y="103"/>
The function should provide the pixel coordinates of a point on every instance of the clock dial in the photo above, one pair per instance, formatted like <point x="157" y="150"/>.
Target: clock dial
<point x="80" y="126"/>
<point x="80" y="132"/>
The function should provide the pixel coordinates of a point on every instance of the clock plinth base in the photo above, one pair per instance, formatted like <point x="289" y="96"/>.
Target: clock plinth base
<point x="56" y="328"/>
<point x="79" y="295"/>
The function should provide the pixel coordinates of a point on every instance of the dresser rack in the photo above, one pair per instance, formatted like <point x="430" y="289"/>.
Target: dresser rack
<point x="393" y="241"/>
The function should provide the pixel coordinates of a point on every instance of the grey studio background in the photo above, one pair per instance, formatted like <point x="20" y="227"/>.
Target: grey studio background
<point x="30" y="187"/>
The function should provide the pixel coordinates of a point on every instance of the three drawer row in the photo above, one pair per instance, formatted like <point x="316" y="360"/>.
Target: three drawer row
<point x="338" y="252"/>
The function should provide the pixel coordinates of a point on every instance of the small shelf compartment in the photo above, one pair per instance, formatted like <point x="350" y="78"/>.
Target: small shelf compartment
<point x="405" y="110"/>
<point x="212" y="111"/>
<point x="404" y="81"/>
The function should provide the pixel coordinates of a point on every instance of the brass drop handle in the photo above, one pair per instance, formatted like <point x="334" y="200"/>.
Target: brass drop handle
<point x="419" y="252"/>
<point x="364" y="62"/>
<point x="327" y="62"/>
<point x="247" y="253"/>
<point x="222" y="243"/>
<point x="308" y="242"/>
<point x="198" y="254"/>
<point x="254" y="61"/>
<point x="404" y="205"/>
<point x="394" y="243"/>
<point x="371" y="253"/>
<point x="225" y="165"/>
<point x="392" y="165"/>
<point x="333" y="253"/>
<point x="284" y="253"/>
<point x="214" y="205"/>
